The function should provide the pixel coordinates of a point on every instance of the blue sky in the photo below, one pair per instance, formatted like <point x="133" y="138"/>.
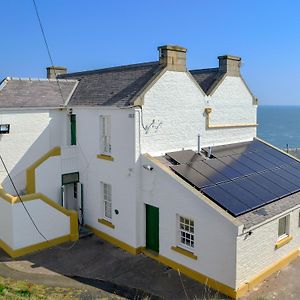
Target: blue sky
<point x="92" y="34"/>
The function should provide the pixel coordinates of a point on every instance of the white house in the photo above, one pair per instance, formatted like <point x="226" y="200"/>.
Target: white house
<point x="155" y="159"/>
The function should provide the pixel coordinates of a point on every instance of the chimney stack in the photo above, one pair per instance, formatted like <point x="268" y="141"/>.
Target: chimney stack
<point x="54" y="71"/>
<point x="173" y="57"/>
<point x="230" y="65"/>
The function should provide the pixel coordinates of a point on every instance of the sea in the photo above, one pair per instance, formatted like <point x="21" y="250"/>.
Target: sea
<point x="279" y="125"/>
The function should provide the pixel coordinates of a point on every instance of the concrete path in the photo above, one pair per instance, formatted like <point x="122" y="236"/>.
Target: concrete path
<point x="96" y="263"/>
<point x="283" y="285"/>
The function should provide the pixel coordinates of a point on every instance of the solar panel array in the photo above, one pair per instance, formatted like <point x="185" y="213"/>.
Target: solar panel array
<point x="240" y="177"/>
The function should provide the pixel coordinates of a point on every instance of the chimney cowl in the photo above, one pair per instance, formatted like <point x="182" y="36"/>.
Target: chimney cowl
<point x="230" y="64"/>
<point x="173" y="57"/>
<point x="54" y="71"/>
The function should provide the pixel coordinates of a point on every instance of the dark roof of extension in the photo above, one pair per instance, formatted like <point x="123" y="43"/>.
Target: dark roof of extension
<point x="17" y="92"/>
<point x="117" y="86"/>
<point x="207" y="78"/>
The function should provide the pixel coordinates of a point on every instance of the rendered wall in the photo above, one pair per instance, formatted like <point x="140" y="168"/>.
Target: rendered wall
<point x="51" y="222"/>
<point x="48" y="178"/>
<point x="257" y="251"/>
<point x="177" y="105"/>
<point x="215" y="235"/>
<point x="6" y="223"/>
<point x="120" y="173"/>
<point x="231" y="104"/>
<point x="32" y="134"/>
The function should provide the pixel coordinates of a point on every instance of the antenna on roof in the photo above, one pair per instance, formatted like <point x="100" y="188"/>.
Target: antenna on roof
<point x="199" y="148"/>
<point x="209" y="152"/>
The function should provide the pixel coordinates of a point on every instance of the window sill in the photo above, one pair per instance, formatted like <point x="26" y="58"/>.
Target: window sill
<point x="184" y="252"/>
<point x="105" y="156"/>
<point x="106" y="223"/>
<point x="283" y="242"/>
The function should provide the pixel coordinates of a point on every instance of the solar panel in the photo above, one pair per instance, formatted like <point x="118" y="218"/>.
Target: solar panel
<point x="208" y="172"/>
<point x="225" y="170"/>
<point x="184" y="156"/>
<point x="192" y="176"/>
<point x="236" y="165"/>
<point x="240" y="177"/>
<point x="225" y="200"/>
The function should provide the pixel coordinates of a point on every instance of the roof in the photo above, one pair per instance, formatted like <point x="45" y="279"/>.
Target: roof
<point x="117" y="86"/>
<point x="252" y="180"/>
<point x="268" y="211"/>
<point x="207" y="78"/>
<point x="22" y="92"/>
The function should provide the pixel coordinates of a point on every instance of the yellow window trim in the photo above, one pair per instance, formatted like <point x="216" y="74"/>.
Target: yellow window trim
<point x="106" y="223"/>
<point x="283" y="241"/>
<point x="184" y="252"/>
<point x="208" y="110"/>
<point x="105" y="157"/>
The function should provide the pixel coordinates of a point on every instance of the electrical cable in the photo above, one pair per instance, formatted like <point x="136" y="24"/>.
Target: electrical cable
<point x="47" y="46"/>
<point x="28" y="213"/>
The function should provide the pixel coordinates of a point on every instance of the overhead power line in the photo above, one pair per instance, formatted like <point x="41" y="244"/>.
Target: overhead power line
<point x="47" y="46"/>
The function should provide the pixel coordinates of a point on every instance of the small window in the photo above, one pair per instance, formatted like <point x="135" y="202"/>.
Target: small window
<point x="105" y="130"/>
<point x="283" y="227"/>
<point x="186" y="233"/>
<point x="107" y="200"/>
<point x="4" y="128"/>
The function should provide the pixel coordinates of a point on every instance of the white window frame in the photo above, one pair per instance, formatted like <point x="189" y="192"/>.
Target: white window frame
<point x="105" y="134"/>
<point x="185" y="233"/>
<point x="106" y="191"/>
<point x="286" y="229"/>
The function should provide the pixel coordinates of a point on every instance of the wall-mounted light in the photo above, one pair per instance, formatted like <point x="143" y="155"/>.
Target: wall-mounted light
<point x="4" y="128"/>
<point x="147" y="167"/>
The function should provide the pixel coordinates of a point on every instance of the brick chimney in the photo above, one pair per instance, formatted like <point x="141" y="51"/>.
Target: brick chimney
<point x="230" y="65"/>
<point x="54" y="71"/>
<point x="173" y="57"/>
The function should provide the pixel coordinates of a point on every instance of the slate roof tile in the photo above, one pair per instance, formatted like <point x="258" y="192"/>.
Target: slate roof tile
<point x="15" y="92"/>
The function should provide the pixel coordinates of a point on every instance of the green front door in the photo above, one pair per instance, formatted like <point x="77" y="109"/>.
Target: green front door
<point x="152" y="228"/>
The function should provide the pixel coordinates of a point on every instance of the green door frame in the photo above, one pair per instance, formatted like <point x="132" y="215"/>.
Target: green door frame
<point x="73" y="129"/>
<point x="152" y="228"/>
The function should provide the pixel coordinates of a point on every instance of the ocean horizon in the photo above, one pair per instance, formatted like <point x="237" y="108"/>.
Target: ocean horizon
<point x="279" y="125"/>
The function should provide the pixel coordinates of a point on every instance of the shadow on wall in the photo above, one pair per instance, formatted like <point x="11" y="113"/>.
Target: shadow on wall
<point x="39" y="146"/>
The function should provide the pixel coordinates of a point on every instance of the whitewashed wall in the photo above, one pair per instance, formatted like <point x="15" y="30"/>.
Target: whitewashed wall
<point x="177" y="105"/>
<point x="231" y="104"/>
<point x="215" y="235"/>
<point x="257" y="251"/>
<point x="48" y="178"/>
<point x="120" y="173"/>
<point x="6" y="222"/>
<point x="32" y="134"/>
<point x="51" y="222"/>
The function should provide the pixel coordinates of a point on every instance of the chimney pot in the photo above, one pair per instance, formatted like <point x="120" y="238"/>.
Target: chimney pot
<point x="173" y="57"/>
<point x="230" y="64"/>
<point x="54" y="71"/>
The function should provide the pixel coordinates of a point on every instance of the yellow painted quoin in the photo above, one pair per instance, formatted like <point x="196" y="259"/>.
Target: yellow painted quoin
<point x="30" y="172"/>
<point x="208" y="111"/>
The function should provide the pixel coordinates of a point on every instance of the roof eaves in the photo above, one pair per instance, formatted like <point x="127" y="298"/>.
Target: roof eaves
<point x="216" y="84"/>
<point x="3" y="82"/>
<point x="138" y="99"/>
<point x="71" y="93"/>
